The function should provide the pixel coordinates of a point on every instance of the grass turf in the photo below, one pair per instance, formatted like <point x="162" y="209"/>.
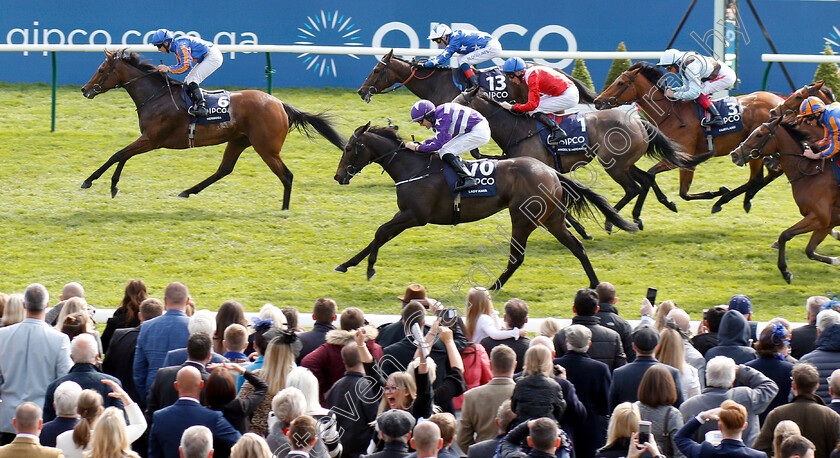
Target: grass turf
<point x="232" y="241"/>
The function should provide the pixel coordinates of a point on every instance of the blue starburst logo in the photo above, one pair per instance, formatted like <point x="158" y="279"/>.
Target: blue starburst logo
<point x="835" y="37"/>
<point x="326" y="29"/>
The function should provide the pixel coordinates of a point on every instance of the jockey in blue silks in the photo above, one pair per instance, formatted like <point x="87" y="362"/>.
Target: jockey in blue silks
<point x="474" y="47"/>
<point x="815" y="112"/>
<point x="200" y="57"/>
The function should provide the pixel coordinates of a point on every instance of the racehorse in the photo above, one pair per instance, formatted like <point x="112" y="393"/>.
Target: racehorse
<point x="431" y="83"/>
<point x="257" y="119"/>
<point x="813" y="185"/>
<point x="643" y="84"/>
<point x="535" y="194"/>
<point x="616" y="139"/>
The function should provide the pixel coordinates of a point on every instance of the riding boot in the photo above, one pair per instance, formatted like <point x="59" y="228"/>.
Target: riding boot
<point x="200" y="107"/>
<point x="717" y="119"/>
<point x="469" y="73"/>
<point x="465" y="180"/>
<point x="556" y="134"/>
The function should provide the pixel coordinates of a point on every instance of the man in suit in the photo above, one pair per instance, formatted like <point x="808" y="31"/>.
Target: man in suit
<point x="27" y="423"/>
<point x="804" y="338"/>
<point x="834" y="390"/>
<point x="394" y="428"/>
<point x="201" y="321"/>
<point x="166" y="332"/>
<point x="85" y="354"/>
<point x="65" y="400"/>
<point x="324" y="312"/>
<point x="32" y="354"/>
<point x="196" y="442"/>
<point x="608" y="314"/>
<point x="732" y="419"/>
<point x="397" y="356"/>
<point x="482" y="402"/>
<point x="483" y="449"/>
<point x="625" y="380"/>
<point x="119" y="360"/>
<point x="606" y="343"/>
<point x="592" y="382"/>
<point x="516" y="315"/>
<point x="394" y="332"/>
<point x="163" y="392"/>
<point x="354" y="413"/>
<point x="169" y="424"/>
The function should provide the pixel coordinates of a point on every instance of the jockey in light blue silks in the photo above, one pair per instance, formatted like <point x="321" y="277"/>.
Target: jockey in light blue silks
<point x="474" y="47"/>
<point x="459" y="129"/>
<point x="701" y="76"/>
<point x="200" y="57"/>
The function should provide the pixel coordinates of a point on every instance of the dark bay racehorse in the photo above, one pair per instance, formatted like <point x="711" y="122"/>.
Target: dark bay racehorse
<point x="430" y="83"/>
<point x="616" y="138"/>
<point x="812" y="182"/>
<point x="257" y="119"/>
<point x="644" y="84"/>
<point x="535" y="194"/>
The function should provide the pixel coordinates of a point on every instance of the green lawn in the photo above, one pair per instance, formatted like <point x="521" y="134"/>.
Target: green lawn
<point x="232" y="241"/>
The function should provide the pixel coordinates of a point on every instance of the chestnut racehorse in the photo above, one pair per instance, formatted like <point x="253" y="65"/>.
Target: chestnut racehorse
<point x="535" y="194"/>
<point x="812" y="183"/>
<point x="256" y="119"/>
<point x="644" y="84"/>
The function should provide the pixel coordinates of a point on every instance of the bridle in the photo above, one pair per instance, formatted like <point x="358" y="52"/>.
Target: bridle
<point x="755" y="152"/>
<point x="390" y="86"/>
<point x="351" y="169"/>
<point x="97" y="87"/>
<point x="614" y="99"/>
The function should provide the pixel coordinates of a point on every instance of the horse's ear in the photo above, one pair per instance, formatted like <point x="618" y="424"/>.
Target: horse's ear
<point x="361" y="129"/>
<point x="389" y="55"/>
<point x="108" y="54"/>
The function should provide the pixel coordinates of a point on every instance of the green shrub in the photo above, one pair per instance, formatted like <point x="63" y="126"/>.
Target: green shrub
<point x="618" y="67"/>
<point x="828" y="72"/>
<point x="581" y="73"/>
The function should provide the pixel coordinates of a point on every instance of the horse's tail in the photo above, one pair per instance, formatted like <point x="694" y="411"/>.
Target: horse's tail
<point x="586" y="95"/>
<point x="579" y="200"/>
<point x="304" y="122"/>
<point x="660" y="147"/>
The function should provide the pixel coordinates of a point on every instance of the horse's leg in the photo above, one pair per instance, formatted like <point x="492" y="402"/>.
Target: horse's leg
<point x="283" y="173"/>
<point x="521" y="228"/>
<point x="816" y="238"/>
<point x="807" y="224"/>
<point x="771" y="175"/>
<point x="631" y="190"/>
<point x="139" y="146"/>
<point x="115" y="178"/>
<point x="232" y="152"/>
<point x="750" y="184"/>
<point x="578" y="228"/>
<point x="686" y="177"/>
<point x="661" y="166"/>
<point x="400" y="222"/>
<point x="558" y="230"/>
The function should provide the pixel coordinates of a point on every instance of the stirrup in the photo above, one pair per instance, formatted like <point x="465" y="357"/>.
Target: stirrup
<point x="715" y="121"/>
<point x="556" y="136"/>
<point x="198" y="110"/>
<point x="467" y="183"/>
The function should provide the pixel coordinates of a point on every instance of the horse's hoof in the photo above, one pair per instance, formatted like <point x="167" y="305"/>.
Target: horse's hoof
<point x="671" y="206"/>
<point x="371" y="273"/>
<point x="835" y="233"/>
<point x="587" y="236"/>
<point x="775" y="245"/>
<point x="835" y="261"/>
<point x="716" y="209"/>
<point x="639" y="223"/>
<point x="86" y="184"/>
<point x="747" y="206"/>
<point x="342" y="268"/>
<point x="788" y="276"/>
<point x="114" y="192"/>
<point x="608" y="226"/>
<point x="723" y="190"/>
<point x="184" y="194"/>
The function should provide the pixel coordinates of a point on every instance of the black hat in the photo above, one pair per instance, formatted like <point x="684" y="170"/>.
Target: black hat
<point x="646" y="338"/>
<point x="395" y="423"/>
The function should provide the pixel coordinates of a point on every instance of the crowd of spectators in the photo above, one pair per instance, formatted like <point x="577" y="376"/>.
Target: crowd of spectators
<point x="168" y="380"/>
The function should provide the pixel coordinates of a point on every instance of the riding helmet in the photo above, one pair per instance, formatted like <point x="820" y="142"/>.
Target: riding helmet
<point x="420" y="109"/>
<point x="669" y="57"/>
<point x="513" y="64"/>
<point x="160" y="37"/>
<point x="811" y="106"/>
<point x="439" y="31"/>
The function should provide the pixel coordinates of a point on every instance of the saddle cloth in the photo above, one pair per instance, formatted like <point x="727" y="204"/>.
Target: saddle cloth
<point x="492" y="80"/>
<point x="730" y="110"/>
<point x="577" y="140"/>
<point x="484" y="170"/>
<point x="218" y="106"/>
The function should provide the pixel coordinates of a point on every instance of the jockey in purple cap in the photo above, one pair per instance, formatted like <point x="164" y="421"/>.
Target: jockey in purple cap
<point x="200" y="57"/>
<point x="459" y="129"/>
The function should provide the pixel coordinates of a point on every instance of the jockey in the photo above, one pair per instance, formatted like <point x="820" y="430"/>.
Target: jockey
<point x="814" y="112"/>
<point x="474" y="46"/>
<point x="200" y="57"/>
<point x="459" y="129"/>
<point x="549" y="91"/>
<point x="700" y="76"/>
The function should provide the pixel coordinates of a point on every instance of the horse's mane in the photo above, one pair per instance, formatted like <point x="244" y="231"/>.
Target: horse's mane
<point x="387" y="132"/>
<point x="652" y="73"/>
<point x="827" y="91"/>
<point x="136" y="60"/>
<point x="791" y="129"/>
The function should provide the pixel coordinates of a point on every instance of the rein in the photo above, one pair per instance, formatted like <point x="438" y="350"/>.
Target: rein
<point x="671" y="110"/>
<point x="756" y="152"/>
<point x="97" y="87"/>
<point x="352" y="170"/>
<point x="372" y="89"/>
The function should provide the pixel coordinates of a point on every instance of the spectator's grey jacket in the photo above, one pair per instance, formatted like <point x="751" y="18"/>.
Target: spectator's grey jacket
<point x="756" y="395"/>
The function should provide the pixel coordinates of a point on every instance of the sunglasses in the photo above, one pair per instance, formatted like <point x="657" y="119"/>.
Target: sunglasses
<point x="437" y="40"/>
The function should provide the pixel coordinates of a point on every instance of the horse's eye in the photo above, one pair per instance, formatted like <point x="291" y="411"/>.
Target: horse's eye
<point x="621" y="83"/>
<point x="759" y="135"/>
<point x="375" y="70"/>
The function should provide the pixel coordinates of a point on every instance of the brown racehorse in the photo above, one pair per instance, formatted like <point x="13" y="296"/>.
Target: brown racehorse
<point x="812" y="182"/>
<point x="257" y="119"/>
<point x="534" y="193"/>
<point x="615" y="138"/>
<point x="643" y="84"/>
<point x="430" y="83"/>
